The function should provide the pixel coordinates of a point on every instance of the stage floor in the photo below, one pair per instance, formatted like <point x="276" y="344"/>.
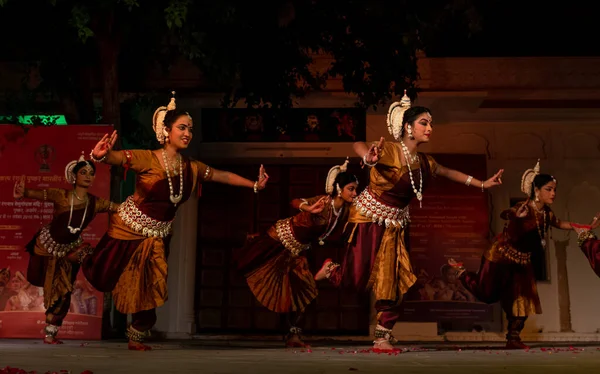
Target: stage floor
<point x="249" y="357"/>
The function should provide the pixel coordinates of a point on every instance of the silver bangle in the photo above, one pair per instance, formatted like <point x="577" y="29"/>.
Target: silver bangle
<point x="95" y="159"/>
<point x="256" y="187"/>
<point x="469" y="179"/>
<point x="364" y="158"/>
<point x="482" y="189"/>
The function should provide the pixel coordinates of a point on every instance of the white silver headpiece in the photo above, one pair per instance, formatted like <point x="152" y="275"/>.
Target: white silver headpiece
<point x="333" y="173"/>
<point x="69" y="173"/>
<point x="395" y="116"/>
<point x="158" y="120"/>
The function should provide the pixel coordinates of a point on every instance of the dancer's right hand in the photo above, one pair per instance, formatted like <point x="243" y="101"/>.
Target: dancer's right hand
<point x="19" y="189"/>
<point x="523" y="210"/>
<point x="318" y="207"/>
<point x="374" y="153"/>
<point x="596" y="221"/>
<point x="104" y="145"/>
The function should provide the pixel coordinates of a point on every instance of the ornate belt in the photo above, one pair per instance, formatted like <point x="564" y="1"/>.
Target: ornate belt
<point x="54" y="248"/>
<point x="512" y="254"/>
<point x="381" y="213"/>
<point x="141" y="223"/>
<point x="286" y="236"/>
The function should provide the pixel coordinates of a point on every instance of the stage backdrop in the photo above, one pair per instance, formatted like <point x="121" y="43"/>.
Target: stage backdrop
<point x="41" y="153"/>
<point x="453" y="223"/>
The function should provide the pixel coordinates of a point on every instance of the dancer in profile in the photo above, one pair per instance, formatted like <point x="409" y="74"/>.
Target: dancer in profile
<point x="131" y="259"/>
<point x="274" y="263"/>
<point x="57" y="250"/>
<point x="376" y="255"/>
<point x="506" y="273"/>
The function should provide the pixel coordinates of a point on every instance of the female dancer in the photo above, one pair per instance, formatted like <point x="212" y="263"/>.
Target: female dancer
<point x="131" y="259"/>
<point x="589" y="243"/>
<point x="273" y="264"/>
<point x="376" y="255"/>
<point x="506" y="273"/>
<point x="57" y="250"/>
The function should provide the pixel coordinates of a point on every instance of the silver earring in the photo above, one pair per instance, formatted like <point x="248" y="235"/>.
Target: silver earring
<point x="410" y="135"/>
<point x="537" y="197"/>
<point x="339" y="190"/>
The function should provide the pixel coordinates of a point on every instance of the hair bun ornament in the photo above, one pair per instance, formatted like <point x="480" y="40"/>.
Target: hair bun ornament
<point x="158" y="120"/>
<point x="333" y="173"/>
<point x="395" y="116"/>
<point x="69" y="174"/>
<point x="528" y="177"/>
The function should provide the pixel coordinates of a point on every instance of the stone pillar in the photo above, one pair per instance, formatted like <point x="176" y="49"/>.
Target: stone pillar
<point x="176" y="317"/>
<point x="564" y="298"/>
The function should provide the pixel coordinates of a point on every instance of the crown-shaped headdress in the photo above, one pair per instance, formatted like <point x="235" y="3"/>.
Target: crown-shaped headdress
<point x="395" y="116"/>
<point x="158" y="120"/>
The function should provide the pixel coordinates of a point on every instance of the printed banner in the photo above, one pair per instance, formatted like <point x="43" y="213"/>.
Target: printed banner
<point x="453" y="223"/>
<point x="41" y="154"/>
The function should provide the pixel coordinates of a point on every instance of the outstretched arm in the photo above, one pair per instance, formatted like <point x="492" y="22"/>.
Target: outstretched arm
<point x="106" y="206"/>
<point x="370" y="154"/>
<point x="232" y="179"/>
<point x="460" y="177"/>
<point x="103" y="152"/>
<point x="313" y="205"/>
<point x="20" y="192"/>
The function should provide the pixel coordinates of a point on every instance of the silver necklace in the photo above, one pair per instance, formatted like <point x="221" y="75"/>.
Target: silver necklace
<point x="175" y="199"/>
<point x="337" y="216"/>
<point x="76" y="230"/>
<point x="418" y="192"/>
<point x="541" y="231"/>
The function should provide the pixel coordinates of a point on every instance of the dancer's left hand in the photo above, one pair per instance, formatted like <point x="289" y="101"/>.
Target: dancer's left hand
<point x="19" y="189"/>
<point x="495" y="180"/>
<point x="263" y="177"/>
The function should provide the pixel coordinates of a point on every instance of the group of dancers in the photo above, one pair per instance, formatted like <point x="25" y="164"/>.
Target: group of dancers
<point x="131" y="259"/>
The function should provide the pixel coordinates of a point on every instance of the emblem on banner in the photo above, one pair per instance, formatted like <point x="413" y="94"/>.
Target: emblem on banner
<point x="44" y="156"/>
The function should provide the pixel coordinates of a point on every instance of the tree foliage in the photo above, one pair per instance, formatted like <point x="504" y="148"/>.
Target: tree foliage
<point x="260" y="54"/>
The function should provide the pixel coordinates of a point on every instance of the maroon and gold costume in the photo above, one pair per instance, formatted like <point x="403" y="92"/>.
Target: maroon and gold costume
<point x="376" y="256"/>
<point x="131" y="259"/>
<point x="276" y="270"/>
<point x="590" y="246"/>
<point x="48" y="264"/>
<point x="506" y="274"/>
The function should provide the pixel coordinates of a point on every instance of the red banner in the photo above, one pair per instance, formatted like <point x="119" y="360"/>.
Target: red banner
<point x="41" y="154"/>
<point x="453" y="223"/>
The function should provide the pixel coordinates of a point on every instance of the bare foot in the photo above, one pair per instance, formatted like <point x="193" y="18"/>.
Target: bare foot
<point x="516" y="344"/>
<point x="52" y="340"/>
<point x="384" y="345"/>
<point x="294" y="341"/>
<point x="137" y="346"/>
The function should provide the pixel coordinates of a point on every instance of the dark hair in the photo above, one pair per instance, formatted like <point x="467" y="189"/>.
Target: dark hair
<point x="412" y="114"/>
<point x="172" y="115"/>
<point x="540" y="181"/>
<point x="343" y="179"/>
<point x="81" y="164"/>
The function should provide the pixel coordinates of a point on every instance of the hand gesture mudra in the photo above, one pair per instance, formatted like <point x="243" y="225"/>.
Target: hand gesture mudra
<point x="495" y="180"/>
<point x="596" y="221"/>
<point x="374" y="153"/>
<point x="19" y="189"/>
<point x="523" y="210"/>
<point x="318" y="207"/>
<point x="263" y="177"/>
<point x="104" y="145"/>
